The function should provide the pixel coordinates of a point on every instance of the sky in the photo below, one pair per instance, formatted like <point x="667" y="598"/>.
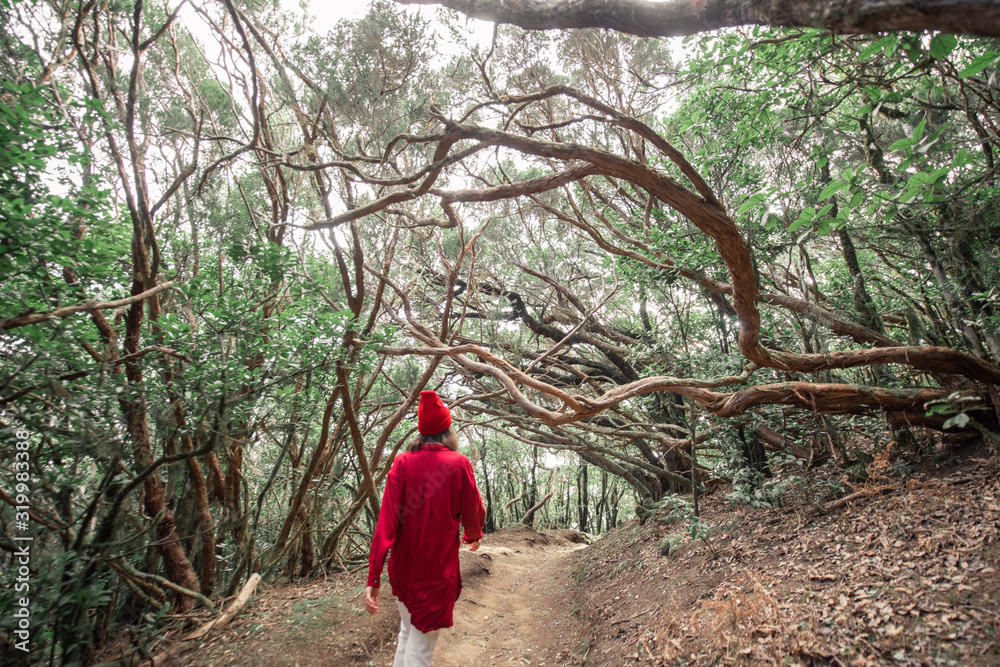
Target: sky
<point x="328" y="13"/>
<point x="324" y="16"/>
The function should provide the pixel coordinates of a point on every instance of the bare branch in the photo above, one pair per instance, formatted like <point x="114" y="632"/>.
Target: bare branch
<point x="90" y="306"/>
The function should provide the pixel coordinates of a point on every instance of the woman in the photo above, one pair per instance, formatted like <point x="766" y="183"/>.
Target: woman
<point x="429" y="491"/>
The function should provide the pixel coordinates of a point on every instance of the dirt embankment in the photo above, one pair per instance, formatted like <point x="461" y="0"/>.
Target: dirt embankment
<point x="906" y="573"/>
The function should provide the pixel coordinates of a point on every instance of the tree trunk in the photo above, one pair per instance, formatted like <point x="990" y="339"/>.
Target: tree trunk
<point x="490" y="525"/>
<point x="616" y="494"/>
<point x="175" y="562"/>
<point x="529" y="516"/>
<point x="753" y="452"/>
<point x="960" y="313"/>
<point x="602" y="503"/>
<point x="677" y="18"/>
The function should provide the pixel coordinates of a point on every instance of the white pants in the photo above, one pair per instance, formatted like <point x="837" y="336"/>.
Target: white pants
<point x="415" y="647"/>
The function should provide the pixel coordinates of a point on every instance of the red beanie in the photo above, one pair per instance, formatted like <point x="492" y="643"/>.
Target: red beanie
<point x="432" y="415"/>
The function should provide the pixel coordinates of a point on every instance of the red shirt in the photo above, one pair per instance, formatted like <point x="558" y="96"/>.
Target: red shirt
<point x="427" y="494"/>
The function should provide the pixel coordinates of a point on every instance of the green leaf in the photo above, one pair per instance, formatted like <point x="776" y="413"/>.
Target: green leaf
<point x="960" y="420"/>
<point x="963" y="158"/>
<point x="879" y="45"/>
<point x="826" y="225"/>
<point x="943" y="45"/>
<point x="902" y="144"/>
<point x="911" y="44"/>
<point x="979" y="64"/>
<point x="750" y="203"/>
<point x="832" y="189"/>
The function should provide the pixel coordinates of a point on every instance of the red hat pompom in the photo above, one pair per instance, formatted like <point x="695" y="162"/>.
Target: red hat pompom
<point x="433" y="416"/>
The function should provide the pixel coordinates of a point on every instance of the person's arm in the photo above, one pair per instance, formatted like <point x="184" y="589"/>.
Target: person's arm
<point x="473" y="511"/>
<point x="385" y="535"/>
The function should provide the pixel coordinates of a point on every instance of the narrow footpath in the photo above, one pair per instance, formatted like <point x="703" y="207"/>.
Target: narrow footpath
<point x="515" y="607"/>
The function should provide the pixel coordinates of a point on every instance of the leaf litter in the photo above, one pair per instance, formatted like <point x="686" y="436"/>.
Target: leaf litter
<point x="906" y="573"/>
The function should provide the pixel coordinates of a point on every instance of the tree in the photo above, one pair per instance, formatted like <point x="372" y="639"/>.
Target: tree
<point x="645" y="18"/>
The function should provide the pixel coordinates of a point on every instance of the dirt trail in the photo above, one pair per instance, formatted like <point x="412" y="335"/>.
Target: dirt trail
<point x="515" y="607"/>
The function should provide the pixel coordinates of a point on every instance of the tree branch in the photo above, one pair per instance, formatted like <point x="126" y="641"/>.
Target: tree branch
<point x="90" y="306"/>
<point x="677" y="18"/>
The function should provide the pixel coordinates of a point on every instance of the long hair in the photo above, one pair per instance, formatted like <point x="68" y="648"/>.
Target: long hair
<point x="446" y="437"/>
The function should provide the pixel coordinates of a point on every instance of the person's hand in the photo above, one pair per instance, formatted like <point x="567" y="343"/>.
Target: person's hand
<point x="371" y="598"/>
<point x="473" y="545"/>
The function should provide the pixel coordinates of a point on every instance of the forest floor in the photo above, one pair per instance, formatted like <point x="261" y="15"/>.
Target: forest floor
<point x="902" y="570"/>
<point x="515" y="609"/>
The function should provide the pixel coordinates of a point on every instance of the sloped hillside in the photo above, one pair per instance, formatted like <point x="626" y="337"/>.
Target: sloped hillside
<point x="902" y="570"/>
